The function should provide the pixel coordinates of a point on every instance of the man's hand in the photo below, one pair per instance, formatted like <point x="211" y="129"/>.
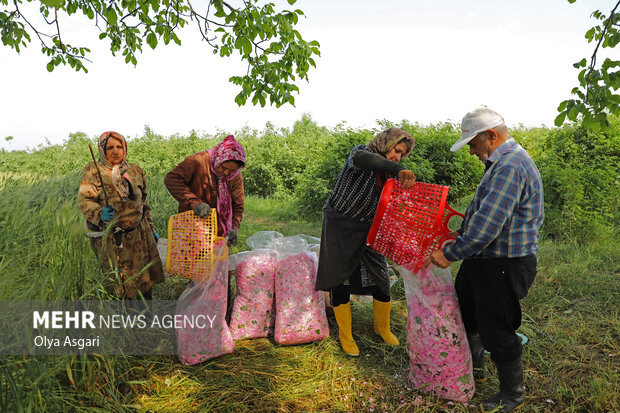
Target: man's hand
<point x="406" y="178"/>
<point x="438" y="259"/>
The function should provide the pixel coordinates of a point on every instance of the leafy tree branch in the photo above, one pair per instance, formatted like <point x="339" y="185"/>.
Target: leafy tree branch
<point x="277" y="56"/>
<point x="596" y="97"/>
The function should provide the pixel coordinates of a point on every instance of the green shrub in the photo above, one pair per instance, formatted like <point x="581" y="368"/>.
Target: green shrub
<point x="579" y="168"/>
<point x="432" y="161"/>
<point x="581" y="177"/>
<point x="532" y="139"/>
<point x="269" y="158"/>
<point x="278" y="158"/>
<point x="158" y="155"/>
<point x="73" y="154"/>
<point x="316" y="184"/>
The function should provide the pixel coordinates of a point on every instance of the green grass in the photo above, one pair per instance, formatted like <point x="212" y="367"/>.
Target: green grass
<point x="571" y="317"/>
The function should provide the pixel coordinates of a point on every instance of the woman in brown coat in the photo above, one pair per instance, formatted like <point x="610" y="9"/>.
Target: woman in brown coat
<point x="120" y="201"/>
<point x="212" y="179"/>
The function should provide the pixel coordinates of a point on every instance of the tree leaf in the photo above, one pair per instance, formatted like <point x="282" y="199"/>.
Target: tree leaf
<point x="219" y="8"/>
<point x="151" y="39"/>
<point x="247" y="46"/>
<point x="581" y="63"/>
<point x="562" y="106"/>
<point x="572" y="113"/>
<point x="240" y="99"/>
<point x="244" y="45"/>
<point x="582" y="77"/>
<point x="53" y="3"/>
<point x="111" y="15"/>
<point x="591" y="123"/>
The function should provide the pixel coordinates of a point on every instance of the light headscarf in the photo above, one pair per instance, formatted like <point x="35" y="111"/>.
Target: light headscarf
<point x="383" y="143"/>
<point x="227" y="150"/>
<point x="120" y="178"/>
<point x="386" y="140"/>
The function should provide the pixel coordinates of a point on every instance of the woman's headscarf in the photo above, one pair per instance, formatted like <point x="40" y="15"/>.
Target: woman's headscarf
<point x="384" y="142"/>
<point x="119" y="171"/>
<point x="227" y="150"/>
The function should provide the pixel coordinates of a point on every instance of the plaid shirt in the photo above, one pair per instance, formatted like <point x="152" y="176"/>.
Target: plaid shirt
<point x="505" y="216"/>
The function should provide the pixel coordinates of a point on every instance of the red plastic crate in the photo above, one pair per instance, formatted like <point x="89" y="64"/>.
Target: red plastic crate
<point x="411" y="223"/>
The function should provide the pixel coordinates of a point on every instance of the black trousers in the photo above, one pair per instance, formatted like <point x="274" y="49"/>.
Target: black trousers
<point x="341" y="294"/>
<point x="489" y="291"/>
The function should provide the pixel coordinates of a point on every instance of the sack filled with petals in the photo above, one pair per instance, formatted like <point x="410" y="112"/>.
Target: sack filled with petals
<point x="212" y="337"/>
<point x="440" y="360"/>
<point x="300" y="311"/>
<point x="253" y="313"/>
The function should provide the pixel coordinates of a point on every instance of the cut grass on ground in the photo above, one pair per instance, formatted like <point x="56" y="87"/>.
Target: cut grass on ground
<point x="571" y="317"/>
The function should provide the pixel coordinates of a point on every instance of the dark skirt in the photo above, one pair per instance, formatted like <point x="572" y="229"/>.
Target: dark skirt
<point x="345" y="258"/>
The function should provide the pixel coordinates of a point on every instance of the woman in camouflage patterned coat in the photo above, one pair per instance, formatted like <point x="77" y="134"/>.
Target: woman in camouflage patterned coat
<point x="131" y="243"/>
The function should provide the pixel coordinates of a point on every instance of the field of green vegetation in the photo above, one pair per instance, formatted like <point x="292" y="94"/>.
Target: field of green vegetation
<point x="571" y="316"/>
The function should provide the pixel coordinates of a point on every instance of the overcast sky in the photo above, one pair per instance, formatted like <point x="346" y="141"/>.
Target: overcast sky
<point x="424" y="61"/>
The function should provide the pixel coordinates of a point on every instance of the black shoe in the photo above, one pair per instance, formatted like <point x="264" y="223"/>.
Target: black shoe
<point x="507" y="404"/>
<point x="477" y="357"/>
<point x="510" y="396"/>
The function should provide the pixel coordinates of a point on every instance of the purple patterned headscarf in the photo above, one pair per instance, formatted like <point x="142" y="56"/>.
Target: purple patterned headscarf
<point x="227" y="150"/>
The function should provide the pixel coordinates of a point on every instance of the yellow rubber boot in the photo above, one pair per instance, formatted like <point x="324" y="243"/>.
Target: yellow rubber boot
<point x="381" y="321"/>
<point x="343" y="318"/>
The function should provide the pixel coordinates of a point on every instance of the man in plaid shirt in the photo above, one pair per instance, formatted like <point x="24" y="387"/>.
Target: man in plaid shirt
<point x="497" y="242"/>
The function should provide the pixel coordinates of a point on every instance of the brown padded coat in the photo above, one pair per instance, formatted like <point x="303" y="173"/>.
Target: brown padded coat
<point x="191" y="182"/>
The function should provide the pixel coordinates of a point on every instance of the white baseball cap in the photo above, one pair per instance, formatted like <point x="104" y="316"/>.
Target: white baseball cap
<point x="476" y="121"/>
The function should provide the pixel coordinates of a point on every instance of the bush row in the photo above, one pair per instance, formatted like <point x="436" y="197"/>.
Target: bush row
<point x="579" y="168"/>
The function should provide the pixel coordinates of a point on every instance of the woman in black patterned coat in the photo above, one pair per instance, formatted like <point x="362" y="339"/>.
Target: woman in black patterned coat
<point x="346" y="265"/>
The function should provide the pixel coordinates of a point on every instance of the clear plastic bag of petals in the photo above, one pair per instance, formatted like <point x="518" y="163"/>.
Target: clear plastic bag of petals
<point x="440" y="360"/>
<point x="253" y="313"/>
<point x="205" y="302"/>
<point x="262" y="239"/>
<point x="300" y="310"/>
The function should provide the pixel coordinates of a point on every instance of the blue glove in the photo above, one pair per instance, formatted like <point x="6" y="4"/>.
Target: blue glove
<point x="156" y="235"/>
<point x="107" y="213"/>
